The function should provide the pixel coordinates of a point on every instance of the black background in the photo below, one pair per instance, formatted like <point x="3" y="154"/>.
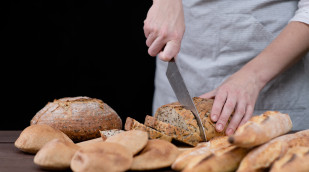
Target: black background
<point x="55" y="49"/>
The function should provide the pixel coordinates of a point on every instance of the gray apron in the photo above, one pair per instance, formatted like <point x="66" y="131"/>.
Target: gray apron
<point x="223" y="35"/>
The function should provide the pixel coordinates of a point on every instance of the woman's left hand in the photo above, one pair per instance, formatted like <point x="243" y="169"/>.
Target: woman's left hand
<point x="236" y="94"/>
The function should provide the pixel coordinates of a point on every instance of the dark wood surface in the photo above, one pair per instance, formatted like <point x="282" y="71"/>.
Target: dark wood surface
<point x="14" y="160"/>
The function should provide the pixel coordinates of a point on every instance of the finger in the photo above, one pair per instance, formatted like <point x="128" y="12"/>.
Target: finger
<point x="146" y="28"/>
<point x="209" y="95"/>
<point x="156" y="46"/>
<point x="228" y="108"/>
<point x="170" y="50"/>
<point x="150" y="39"/>
<point x="249" y="112"/>
<point x="218" y="105"/>
<point x="237" y="117"/>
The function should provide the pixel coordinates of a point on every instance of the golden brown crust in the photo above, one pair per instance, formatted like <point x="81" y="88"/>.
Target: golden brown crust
<point x="56" y="155"/>
<point x="102" y="156"/>
<point x="157" y="154"/>
<point x="263" y="156"/>
<point x="80" y="118"/>
<point x="173" y="131"/>
<point x="296" y="159"/>
<point x="34" y="137"/>
<point x="132" y="124"/>
<point x="262" y="128"/>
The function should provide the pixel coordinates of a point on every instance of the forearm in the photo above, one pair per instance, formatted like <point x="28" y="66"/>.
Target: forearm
<point x="288" y="48"/>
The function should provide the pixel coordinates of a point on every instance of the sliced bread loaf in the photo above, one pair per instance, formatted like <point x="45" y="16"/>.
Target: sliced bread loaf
<point x="132" y="124"/>
<point x="173" y="131"/>
<point x="175" y="114"/>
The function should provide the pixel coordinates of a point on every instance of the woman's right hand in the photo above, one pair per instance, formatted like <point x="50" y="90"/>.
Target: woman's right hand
<point x="164" y="28"/>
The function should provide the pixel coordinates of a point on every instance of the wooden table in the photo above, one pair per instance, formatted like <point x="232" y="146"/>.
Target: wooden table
<point x="14" y="160"/>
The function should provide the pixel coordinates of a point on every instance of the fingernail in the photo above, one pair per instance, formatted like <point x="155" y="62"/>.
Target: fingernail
<point x="229" y="131"/>
<point x="219" y="127"/>
<point x="214" y="117"/>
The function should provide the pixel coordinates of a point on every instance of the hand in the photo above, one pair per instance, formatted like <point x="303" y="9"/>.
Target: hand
<point x="164" y="28"/>
<point x="237" y="94"/>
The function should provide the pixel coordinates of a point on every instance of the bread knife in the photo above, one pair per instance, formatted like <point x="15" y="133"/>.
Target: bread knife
<point x="180" y="89"/>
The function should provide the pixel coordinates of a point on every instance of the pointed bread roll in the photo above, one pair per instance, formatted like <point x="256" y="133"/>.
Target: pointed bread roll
<point x="260" y="129"/>
<point x="34" y="137"/>
<point x="56" y="155"/>
<point x="157" y="154"/>
<point x="87" y="142"/>
<point x="134" y="140"/>
<point x="102" y="156"/>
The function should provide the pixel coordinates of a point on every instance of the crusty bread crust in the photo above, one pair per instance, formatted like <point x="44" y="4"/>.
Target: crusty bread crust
<point x="262" y="128"/>
<point x="80" y="118"/>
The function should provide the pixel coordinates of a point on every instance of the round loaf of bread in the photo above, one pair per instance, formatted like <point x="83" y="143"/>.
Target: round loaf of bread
<point x="81" y="118"/>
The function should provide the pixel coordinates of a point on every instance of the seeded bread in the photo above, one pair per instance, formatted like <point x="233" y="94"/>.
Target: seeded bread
<point x="80" y="118"/>
<point x="262" y="128"/>
<point x="173" y="131"/>
<point x="176" y="115"/>
<point x="263" y="156"/>
<point x="296" y="159"/>
<point x="108" y="133"/>
<point x="132" y="124"/>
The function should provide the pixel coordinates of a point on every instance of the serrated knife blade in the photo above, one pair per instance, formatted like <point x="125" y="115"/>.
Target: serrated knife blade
<point x="180" y="89"/>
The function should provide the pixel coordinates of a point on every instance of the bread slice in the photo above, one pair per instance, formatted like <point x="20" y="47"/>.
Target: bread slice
<point x="157" y="154"/>
<point x="108" y="133"/>
<point x="173" y="131"/>
<point x="132" y="124"/>
<point x="176" y="115"/>
<point x="262" y="128"/>
<point x="34" y="137"/>
<point x="296" y="159"/>
<point x="201" y="151"/>
<point x="102" y="156"/>
<point x="223" y="160"/>
<point x="134" y="140"/>
<point x="263" y="156"/>
<point x="56" y="155"/>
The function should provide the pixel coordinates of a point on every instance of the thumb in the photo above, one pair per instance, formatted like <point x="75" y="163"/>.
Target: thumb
<point x="209" y="95"/>
<point x="171" y="49"/>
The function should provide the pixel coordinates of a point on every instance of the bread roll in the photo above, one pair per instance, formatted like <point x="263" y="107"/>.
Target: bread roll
<point x="34" y="137"/>
<point x="133" y="140"/>
<point x="81" y="118"/>
<point x="261" y="129"/>
<point x="263" y="156"/>
<point x="102" y="156"/>
<point x="199" y="152"/>
<point x="157" y="154"/>
<point x="296" y="159"/>
<point x="87" y="142"/>
<point x="56" y="155"/>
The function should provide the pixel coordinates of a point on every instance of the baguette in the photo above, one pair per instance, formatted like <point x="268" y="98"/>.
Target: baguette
<point x="263" y="156"/>
<point x="296" y="159"/>
<point x="177" y="133"/>
<point x="260" y="129"/>
<point x="157" y="154"/>
<point x="231" y="157"/>
<point x="132" y="124"/>
<point x="199" y="152"/>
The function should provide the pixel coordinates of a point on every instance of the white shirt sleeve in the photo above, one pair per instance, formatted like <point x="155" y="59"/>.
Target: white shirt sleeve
<point x="302" y="14"/>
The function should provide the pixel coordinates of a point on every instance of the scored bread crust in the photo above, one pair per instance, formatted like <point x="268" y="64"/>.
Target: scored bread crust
<point x="263" y="156"/>
<point x="80" y="118"/>
<point x="262" y="128"/>
<point x="296" y="159"/>
<point x="177" y="133"/>
<point x="175" y="114"/>
<point x="132" y="124"/>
